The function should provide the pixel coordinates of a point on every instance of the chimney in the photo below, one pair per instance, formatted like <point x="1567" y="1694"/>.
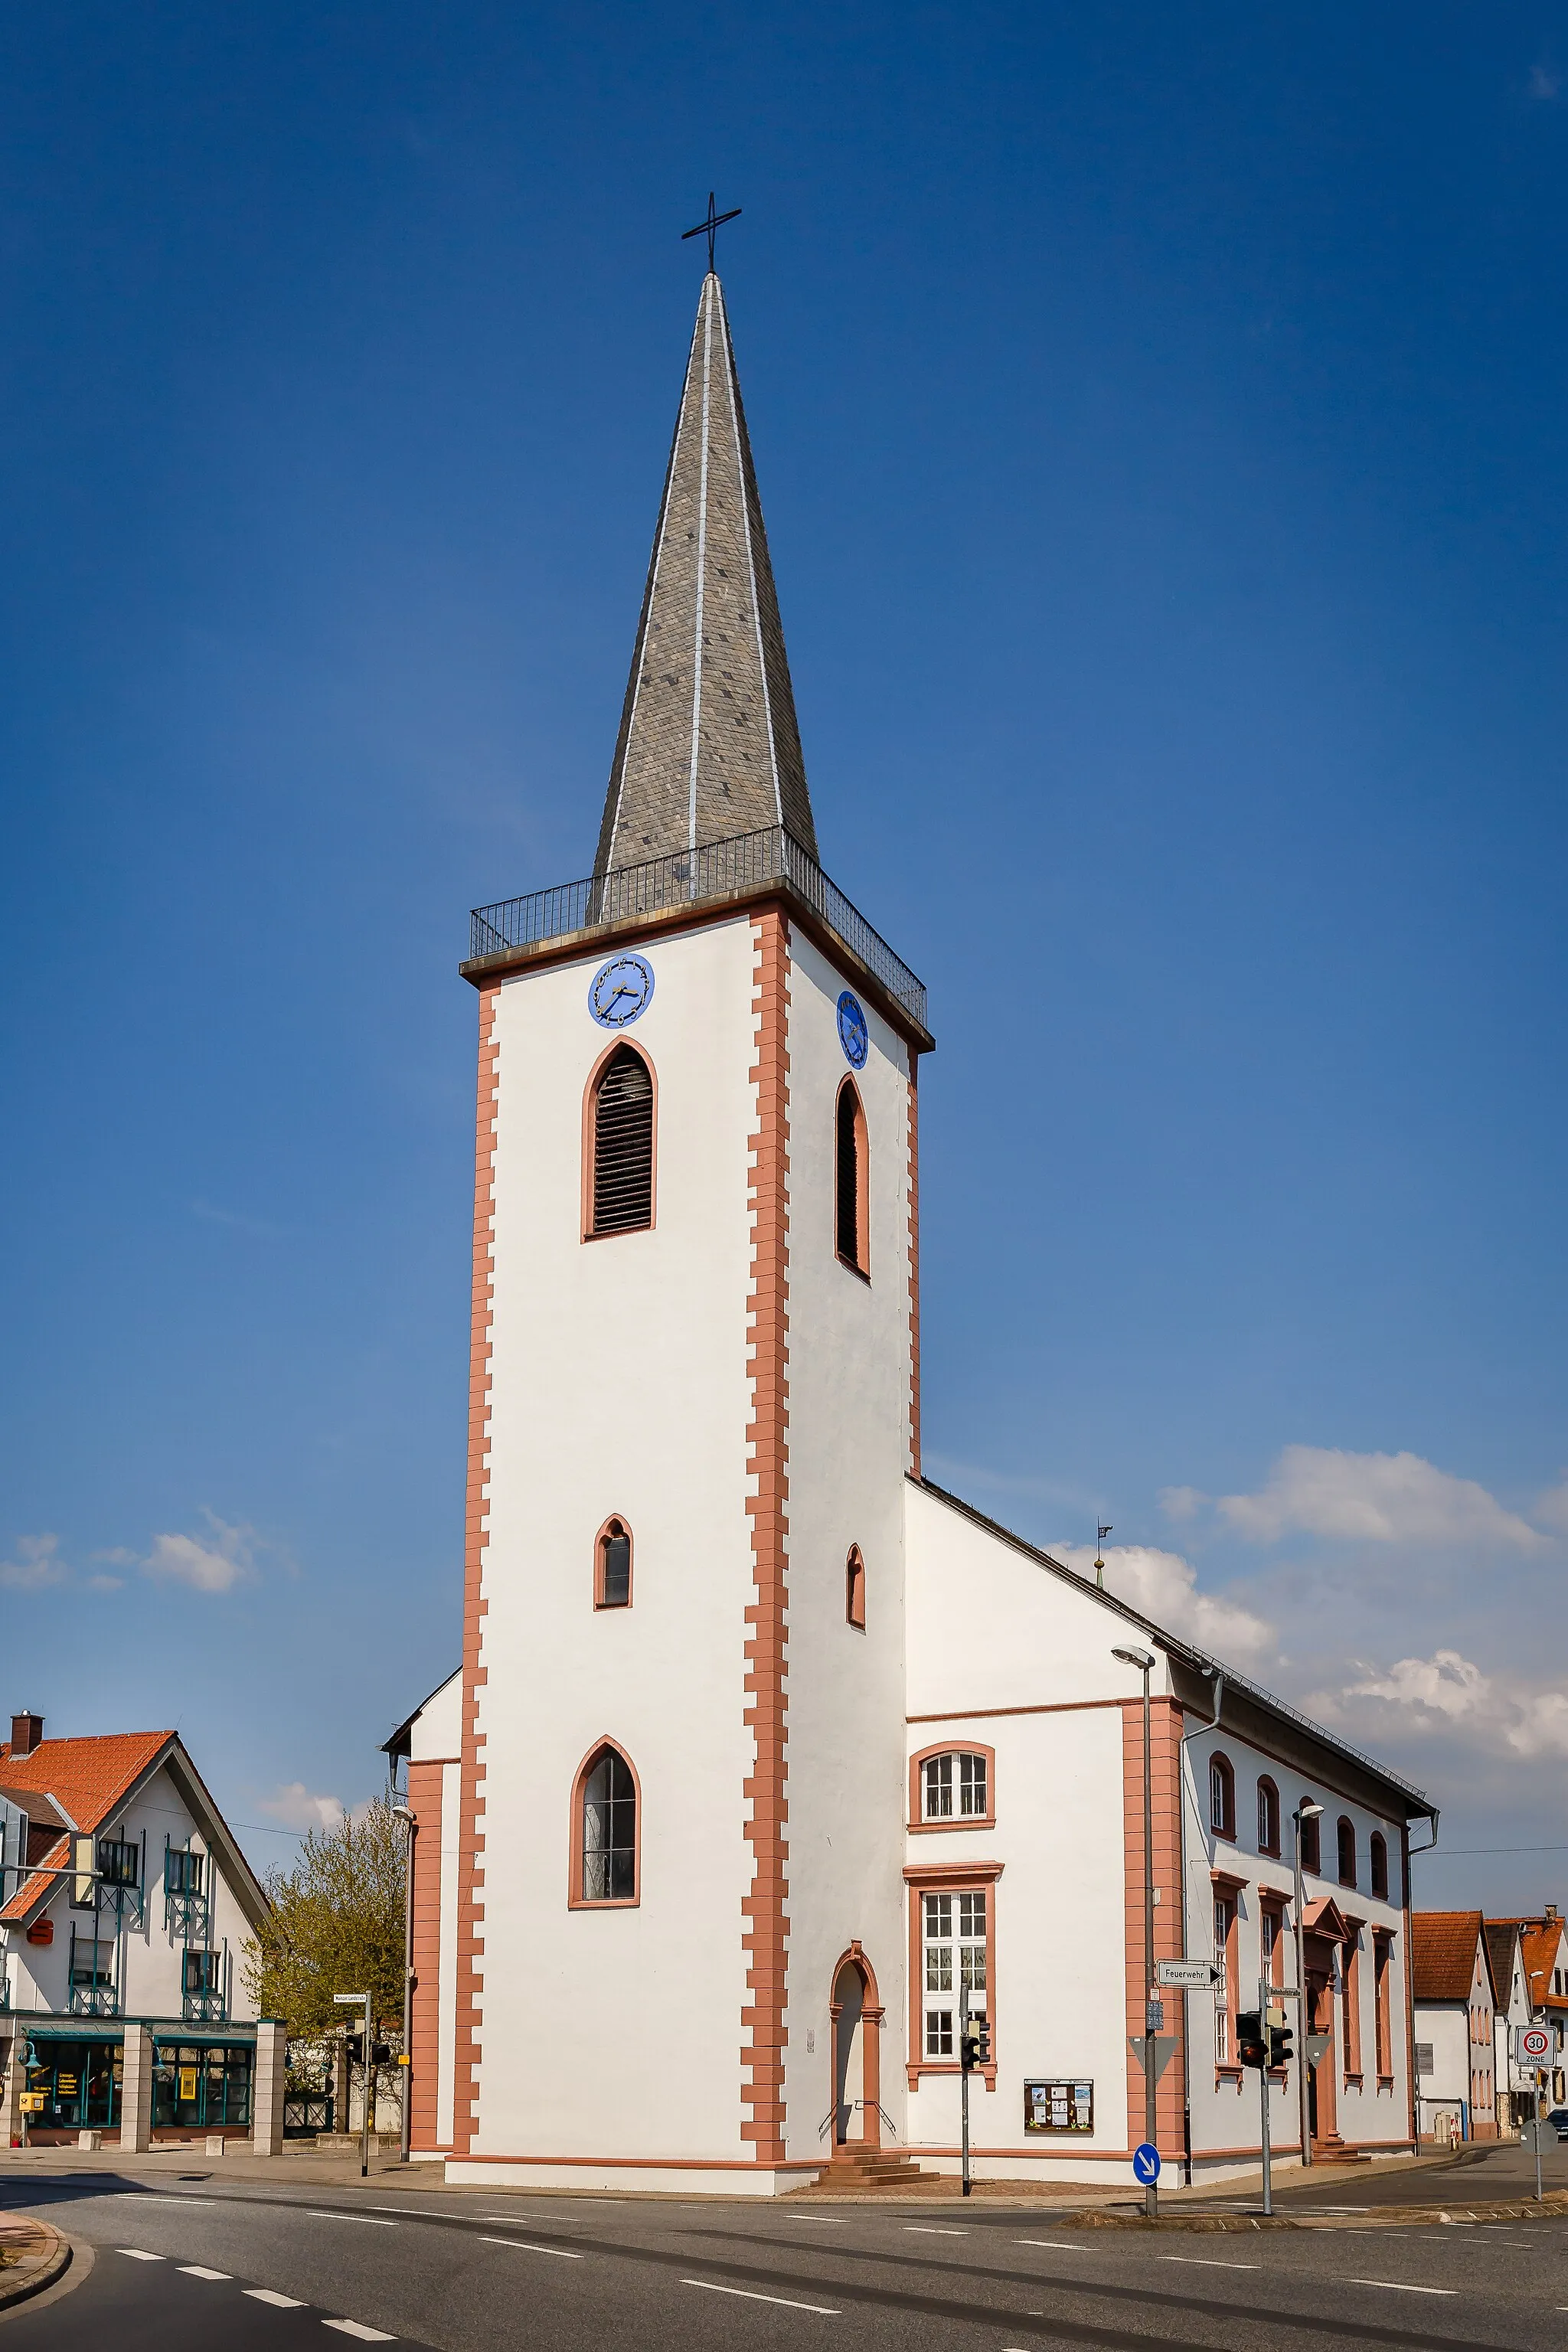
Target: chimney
<point x="1552" y="1910"/>
<point x="27" y="1730"/>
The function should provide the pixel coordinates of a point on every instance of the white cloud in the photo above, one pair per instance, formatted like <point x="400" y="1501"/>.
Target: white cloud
<point x="1163" y="1586"/>
<point x="38" y="1563"/>
<point x="295" y="1807"/>
<point x="1545" y="82"/>
<point x="1448" y="1693"/>
<point x="1374" y="1497"/>
<point x="1182" y="1502"/>
<point x="214" y="1565"/>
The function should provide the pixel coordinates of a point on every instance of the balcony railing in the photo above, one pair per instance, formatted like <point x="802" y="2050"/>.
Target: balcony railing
<point x="98" y="1999"/>
<point x="717" y="870"/>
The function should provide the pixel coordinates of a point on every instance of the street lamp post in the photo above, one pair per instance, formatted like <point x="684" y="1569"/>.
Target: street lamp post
<point x="1143" y="1661"/>
<point x="1305" y="1812"/>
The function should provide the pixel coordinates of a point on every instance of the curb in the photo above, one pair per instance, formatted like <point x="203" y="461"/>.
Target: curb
<point x="34" y="2275"/>
<point x="1552" y="2207"/>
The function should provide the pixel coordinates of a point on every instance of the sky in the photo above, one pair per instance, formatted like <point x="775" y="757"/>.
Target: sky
<point x="1158" y="412"/>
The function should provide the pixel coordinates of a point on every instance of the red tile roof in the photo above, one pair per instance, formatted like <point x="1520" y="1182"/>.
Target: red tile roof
<point x="88" y="1777"/>
<point x="1443" y="1953"/>
<point x="1542" y="1940"/>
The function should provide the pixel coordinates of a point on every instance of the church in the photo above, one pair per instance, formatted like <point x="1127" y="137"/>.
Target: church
<point x="722" y="1828"/>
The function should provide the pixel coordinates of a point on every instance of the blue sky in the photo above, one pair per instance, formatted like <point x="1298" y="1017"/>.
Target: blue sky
<point x="1158" y="412"/>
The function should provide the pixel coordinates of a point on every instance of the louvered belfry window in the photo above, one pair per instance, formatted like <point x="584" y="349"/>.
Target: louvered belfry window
<point x="623" y="1144"/>
<point x="850" y="1206"/>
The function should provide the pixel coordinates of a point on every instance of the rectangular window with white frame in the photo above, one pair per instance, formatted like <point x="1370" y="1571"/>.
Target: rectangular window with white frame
<point x="953" y="1788"/>
<point x="953" y="1934"/>
<point x="1223" y="1920"/>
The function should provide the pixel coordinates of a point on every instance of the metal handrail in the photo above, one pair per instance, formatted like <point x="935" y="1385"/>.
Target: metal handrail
<point x="715" y="870"/>
<point x="824" y="2125"/>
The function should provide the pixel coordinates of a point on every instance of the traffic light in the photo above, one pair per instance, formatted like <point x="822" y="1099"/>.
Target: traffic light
<point x="353" y="2046"/>
<point x="381" y="2054"/>
<point x="975" y="2044"/>
<point x="1281" y="2050"/>
<point x="1251" y="2046"/>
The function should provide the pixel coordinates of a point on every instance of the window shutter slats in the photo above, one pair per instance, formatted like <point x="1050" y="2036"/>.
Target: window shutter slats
<point x="623" y="1144"/>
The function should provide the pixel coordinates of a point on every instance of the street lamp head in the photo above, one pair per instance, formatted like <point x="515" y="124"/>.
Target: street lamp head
<point x="401" y="1812"/>
<point x="1141" y="1659"/>
<point x="1308" y="1812"/>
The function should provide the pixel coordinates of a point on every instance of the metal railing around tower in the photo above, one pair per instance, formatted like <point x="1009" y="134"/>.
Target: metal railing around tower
<point x="716" y="870"/>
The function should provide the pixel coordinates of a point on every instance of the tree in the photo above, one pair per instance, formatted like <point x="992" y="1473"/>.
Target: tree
<point x="336" y="1925"/>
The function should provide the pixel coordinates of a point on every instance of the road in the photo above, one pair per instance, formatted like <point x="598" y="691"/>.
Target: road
<point x="182" y="2264"/>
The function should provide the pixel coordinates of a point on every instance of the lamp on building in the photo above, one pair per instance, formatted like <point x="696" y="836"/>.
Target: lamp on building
<point x="402" y="1811"/>
<point x="1144" y="1663"/>
<point x="1305" y="1812"/>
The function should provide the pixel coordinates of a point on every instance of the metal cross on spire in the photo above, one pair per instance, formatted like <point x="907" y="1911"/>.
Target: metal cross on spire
<point x="706" y="227"/>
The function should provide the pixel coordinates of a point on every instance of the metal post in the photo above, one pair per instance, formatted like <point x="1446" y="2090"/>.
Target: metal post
<point x="1150" y="2051"/>
<point x="963" y="2072"/>
<point x="1537" y="2136"/>
<point x="410" y="1831"/>
<point x="1264" y="1991"/>
<point x="1303" y="2092"/>
<point x="364" y="2098"/>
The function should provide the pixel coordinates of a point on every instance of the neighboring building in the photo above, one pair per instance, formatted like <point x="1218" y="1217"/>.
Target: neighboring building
<point x="765" y="1749"/>
<point x="1456" y="2004"/>
<point x="1514" y="2090"/>
<point x="1543" y="1940"/>
<point x="124" y="1902"/>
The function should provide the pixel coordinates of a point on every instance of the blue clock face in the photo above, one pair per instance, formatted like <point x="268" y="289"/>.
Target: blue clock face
<point x="622" y="989"/>
<point x="853" y="1034"/>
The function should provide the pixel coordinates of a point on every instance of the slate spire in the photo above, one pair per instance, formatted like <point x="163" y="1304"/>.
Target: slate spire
<point x="708" y="745"/>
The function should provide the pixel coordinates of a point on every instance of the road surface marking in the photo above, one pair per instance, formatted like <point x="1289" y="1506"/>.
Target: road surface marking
<point x="821" y="2220"/>
<point x="137" y="2255"/>
<point x="315" y="2213"/>
<point x="1399" y="2286"/>
<point x="823" y="2310"/>
<point x="198" y="2270"/>
<point x="1062" y="2245"/>
<point x="933" y="2229"/>
<point x="426" y="2212"/>
<point x="279" y="2302"/>
<point x="524" y="2247"/>
<point x="357" y="2327"/>
<point x="150" y="2197"/>
<point x="1208" y="2262"/>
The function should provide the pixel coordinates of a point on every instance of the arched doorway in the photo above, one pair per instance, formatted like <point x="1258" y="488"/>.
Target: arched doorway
<point x="856" y="2014"/>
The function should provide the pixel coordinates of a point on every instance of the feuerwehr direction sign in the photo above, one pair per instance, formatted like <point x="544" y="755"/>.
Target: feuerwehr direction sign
<point x="1186" y="1976"/>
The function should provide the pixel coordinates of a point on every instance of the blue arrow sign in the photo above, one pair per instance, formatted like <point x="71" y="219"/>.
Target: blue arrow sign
<point x="1146" y="2165"/>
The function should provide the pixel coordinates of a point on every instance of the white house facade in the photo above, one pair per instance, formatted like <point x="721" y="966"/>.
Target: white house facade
<point x="764" y="1752"/>
<point x="124" y="1902"/>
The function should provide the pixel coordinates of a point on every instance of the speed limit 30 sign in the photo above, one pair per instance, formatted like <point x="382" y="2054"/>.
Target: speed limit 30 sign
<point x="1532" y="2044"/>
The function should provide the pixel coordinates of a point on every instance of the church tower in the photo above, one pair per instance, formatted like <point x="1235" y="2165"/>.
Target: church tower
<point x="694" y="1404"/>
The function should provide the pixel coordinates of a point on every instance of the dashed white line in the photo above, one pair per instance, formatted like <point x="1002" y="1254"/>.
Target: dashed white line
<point x="279" y="2302"/>
<point x="139" y="2254"/>
<point x="199" y="2270"/>
<point x="357" y="2327"/>
<point x="1208" y="2262"/>
<point x="150" y="2197"/>
<point x="711" y="2286"/>
<point x="933" y="2229"/>
<point x="316" y="2213"/>
<point x="1060" y="2245"/>
<point x="524" y="2246"/>
<point x="1400" y="2286"/>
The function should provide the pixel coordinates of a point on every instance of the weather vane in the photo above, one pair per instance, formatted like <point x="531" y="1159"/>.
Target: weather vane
<point x="1099" y="1563"/>
<point x="706" y="227"/>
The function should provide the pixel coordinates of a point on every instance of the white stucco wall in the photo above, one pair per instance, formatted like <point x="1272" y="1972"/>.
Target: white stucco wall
<point x="849" y="1368"/>
<point x="620" y="1386"/>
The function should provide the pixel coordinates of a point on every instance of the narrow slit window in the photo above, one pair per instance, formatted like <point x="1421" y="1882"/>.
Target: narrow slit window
<point x="851" y="1203"/>
<point x="855" y="1589"/>
<point x="623" y="1144"/>
<point x="613" y="1579"/>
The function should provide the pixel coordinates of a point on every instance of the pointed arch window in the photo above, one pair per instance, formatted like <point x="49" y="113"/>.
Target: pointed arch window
<point x="605" y="1830"/>
<point x="619" y="1145"/>
<point x="852" y="1183"/>
<point x="612" y="1566"/>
